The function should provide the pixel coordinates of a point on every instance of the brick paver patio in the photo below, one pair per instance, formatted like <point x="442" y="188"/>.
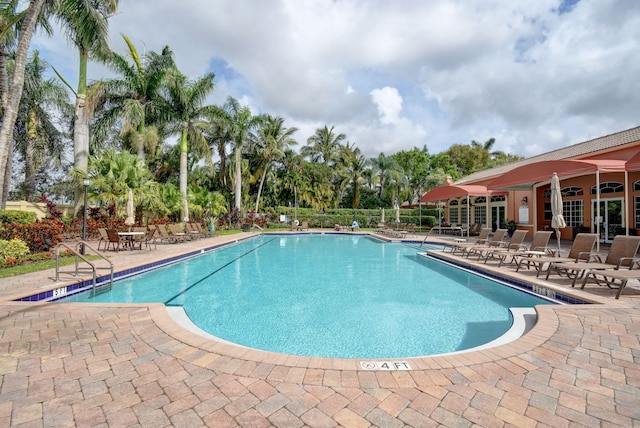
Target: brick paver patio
<point x="133" y="365"/>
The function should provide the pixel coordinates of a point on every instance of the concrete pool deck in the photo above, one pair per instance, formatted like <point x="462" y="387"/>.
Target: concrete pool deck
<point x="121" y="365"/>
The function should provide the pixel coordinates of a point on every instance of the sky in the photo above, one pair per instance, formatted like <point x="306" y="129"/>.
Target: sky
<point x="393" y="75"/>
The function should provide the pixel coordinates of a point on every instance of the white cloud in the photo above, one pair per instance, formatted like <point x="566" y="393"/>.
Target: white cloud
<point x="416" y="73"/>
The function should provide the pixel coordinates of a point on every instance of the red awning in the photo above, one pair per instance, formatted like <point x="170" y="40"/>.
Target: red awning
<point x="633" y="164"/>
<point x="452" y="191"/>
<point x="522" y="178"/>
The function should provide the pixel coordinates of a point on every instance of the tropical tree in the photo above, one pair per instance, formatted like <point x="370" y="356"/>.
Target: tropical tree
<point x="14" y="90"/>
<point x="112" y="174"/>
<point x="354" y="164"/>
<point x="323" y="145"/>
<point x="186" y="116"/>
<point x="86" y="25"/>
<point x="415" y="165"/>
<point x="238" y="123"/>
<point x="132" y="98"/>
<point x="386" y="167"/>
<point x="272" y="140"/>
<point x="36" y="135"/>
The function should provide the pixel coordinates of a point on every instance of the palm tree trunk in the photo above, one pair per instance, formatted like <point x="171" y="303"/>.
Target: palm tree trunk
<point x="184" y="149"/>
<point x="29" y="171"/>
<point x="15" y="92"/>
<point x="238" y="173"/>
<point x="264" y="175"/>
<point x="81" y="127"/>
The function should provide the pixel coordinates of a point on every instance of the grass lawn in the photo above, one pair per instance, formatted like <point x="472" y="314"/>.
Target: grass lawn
<point x="38" y="266"/>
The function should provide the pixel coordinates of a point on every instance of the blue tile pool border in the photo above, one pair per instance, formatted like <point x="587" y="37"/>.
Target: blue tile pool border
<point x="64" y="291"/>
<point x="523" y="285"/>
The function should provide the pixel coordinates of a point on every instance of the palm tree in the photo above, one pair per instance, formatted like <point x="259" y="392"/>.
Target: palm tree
<point x="239" y="123"/>
<point x="354" y="164"/>
<point x="272" y="140"/>
<point x="36" y="132"/>
<point x="86" y="25"/>
<point x="130" y="99"/>
<point x="14" y="92"/>
<point x="113" y="174"/>
<point x="323" y="145"/>
<point x="187" y="116"/>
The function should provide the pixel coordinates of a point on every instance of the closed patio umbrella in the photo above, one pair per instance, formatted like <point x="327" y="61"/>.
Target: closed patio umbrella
<point x="557" y="220"/>
<point x="130" y="220"/>
<point x="382" y="216"/>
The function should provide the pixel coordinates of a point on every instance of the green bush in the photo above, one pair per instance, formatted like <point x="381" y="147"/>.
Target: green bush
<point x="39" y="236"/>
<point x="17" y="217"/>
<point x="11" y="251"/>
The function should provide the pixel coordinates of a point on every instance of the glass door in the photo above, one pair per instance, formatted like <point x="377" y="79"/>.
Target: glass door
<point x="498" y="216"/>
<point x="611" y="218"/>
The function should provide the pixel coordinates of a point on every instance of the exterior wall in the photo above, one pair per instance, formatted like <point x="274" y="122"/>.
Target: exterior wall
<point x="40" y="208"/>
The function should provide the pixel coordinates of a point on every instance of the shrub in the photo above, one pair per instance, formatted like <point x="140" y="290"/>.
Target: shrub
<point x="39" y="236"/>
<point x="11" y="251"/>
<point x="17" y="217"/>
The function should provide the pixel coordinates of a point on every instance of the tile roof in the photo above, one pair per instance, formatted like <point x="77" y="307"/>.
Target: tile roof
<point x="574" y="151"/>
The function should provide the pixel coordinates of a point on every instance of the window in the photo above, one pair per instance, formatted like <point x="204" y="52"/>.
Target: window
<point x="480" y="214"/>
<point x="608" y="187"/>
<point x="636" y="210"/>
<point x="572" y="211"/>
<point x="501" y="198"/>
<point x="453" y="215"/>
<point x="567" y="192"/>
<point x="636" y="185"/>
<point x="463" y="214"/>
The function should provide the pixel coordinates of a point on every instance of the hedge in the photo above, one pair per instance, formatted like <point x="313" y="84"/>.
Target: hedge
<point x="17" y="217"/>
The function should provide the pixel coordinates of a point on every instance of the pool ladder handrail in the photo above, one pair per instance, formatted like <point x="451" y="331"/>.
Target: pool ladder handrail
<point x="93" y="268"/>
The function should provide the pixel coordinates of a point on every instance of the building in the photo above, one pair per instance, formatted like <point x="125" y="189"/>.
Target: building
<point x="600" y="181"/>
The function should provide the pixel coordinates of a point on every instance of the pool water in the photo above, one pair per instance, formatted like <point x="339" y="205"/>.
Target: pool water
<point x="340" y="296"/>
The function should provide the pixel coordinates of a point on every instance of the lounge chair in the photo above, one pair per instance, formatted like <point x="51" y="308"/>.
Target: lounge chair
<point x="612" y="278"/>
<point x="538" y="244"/>
<point x="497" y="240"/>
<point x="462" y="246"/>
<point x="192" y="231"/>
<point x="582" y="249"/>
<point x="178" y="232"/>
<point x="514" y="244"/>
<point x="622" y="253"/>
<point x="164" y="234"/>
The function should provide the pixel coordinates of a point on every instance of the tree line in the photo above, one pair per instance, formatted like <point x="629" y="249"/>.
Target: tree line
<point x="149" y="129"/>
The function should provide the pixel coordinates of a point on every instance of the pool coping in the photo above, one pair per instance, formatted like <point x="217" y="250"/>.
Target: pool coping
<point x="228" y="358"/>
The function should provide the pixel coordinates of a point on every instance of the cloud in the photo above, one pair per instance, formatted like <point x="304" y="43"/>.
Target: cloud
<point x="395" y="75"/>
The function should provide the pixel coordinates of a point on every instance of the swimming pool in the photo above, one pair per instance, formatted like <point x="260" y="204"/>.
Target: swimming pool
<point x="340" y="296"/>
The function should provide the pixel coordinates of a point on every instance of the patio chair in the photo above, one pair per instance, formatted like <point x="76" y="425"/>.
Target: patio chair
<point x="150" y="238"/>
<point x="103" y="238"/>
<point x="582" y="249"/>
<point x="622" y="253"/>
<point x="304" y="225"/>
<point x="113" y="240"/>
<point x="461" y="246"/>
<point x="613" y="278"/>
<point x="497" y="240"/>
<point x="538" y="245"/>
<point x="138" y="239"/>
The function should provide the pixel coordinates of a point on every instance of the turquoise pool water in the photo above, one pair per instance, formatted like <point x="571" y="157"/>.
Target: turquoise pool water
<point x="338" y="296"/>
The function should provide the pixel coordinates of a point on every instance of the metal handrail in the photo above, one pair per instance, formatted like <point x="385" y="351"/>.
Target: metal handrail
<point x="79" y="256"/>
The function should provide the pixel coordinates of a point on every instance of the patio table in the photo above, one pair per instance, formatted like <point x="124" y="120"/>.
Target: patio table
<point x="128" y="238"/>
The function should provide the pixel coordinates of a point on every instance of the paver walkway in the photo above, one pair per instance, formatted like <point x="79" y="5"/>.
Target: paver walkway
<point x="132" y="365"/>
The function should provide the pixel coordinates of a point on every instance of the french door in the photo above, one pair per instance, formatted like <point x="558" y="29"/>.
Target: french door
<point x="611" y="217"/>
